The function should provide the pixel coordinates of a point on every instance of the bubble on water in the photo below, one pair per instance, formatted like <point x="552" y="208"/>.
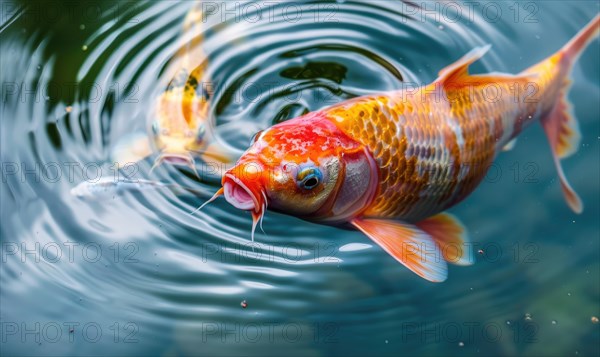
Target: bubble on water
<point x="386" y="341"/>
<point x="480" y="251"/>
<point x="461" y="344"/>
<point x="244" y="304"/>
<point x="554" y="322"/>
<point x="82" y="27"/>
<point x="507" y="322"/>
<point x="527" y="317"/>
<point x="568" y="294"/>
<point x="84" y="47"/>
<point x="594" y="319"/>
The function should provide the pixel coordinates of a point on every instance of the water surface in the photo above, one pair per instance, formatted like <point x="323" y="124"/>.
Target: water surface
<point x="137" y="274"/>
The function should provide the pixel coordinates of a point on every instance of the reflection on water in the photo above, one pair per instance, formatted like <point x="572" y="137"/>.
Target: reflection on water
<point x="136" y="273"/>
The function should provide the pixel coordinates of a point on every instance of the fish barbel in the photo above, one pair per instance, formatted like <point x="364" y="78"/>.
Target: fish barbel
<point x="390" y="164"/>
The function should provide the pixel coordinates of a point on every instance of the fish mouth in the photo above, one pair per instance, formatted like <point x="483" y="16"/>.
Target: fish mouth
<point x="175" y="159"/>
<point x="239" y="195"/>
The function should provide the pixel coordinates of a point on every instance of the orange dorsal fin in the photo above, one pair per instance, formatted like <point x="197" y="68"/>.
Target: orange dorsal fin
<point x="451" y="236"/>
<point x="459" y="70"/>
<point x="407" y="244"/>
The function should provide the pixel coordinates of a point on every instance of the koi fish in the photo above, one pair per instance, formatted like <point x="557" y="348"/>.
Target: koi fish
<point x="109" y="186"/>
<point x="390" y="164"/>
<point x="181" y="130"/>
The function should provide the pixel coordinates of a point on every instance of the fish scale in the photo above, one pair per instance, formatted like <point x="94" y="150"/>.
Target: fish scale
<point x="389" y="164"/>
<point x="431" y="154"/>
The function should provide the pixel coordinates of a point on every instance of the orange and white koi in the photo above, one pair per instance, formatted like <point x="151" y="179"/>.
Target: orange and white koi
<point x="180" y="129"/>
<point x="390" y="164"/>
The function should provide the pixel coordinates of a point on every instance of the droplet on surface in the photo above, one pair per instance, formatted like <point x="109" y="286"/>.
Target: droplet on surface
<point x="594" y="320"/>
<point x="461" y="344"/>
<point x="527" y="317"/>
<point x="244" y="304"/>
<point x="82" y="27"/>
<point x="84" y="47"/>
<point x="554" y="322"/>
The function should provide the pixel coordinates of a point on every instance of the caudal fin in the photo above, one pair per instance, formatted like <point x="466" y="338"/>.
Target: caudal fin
<point x="560" y="125"/>
<point x="573" y="49"/>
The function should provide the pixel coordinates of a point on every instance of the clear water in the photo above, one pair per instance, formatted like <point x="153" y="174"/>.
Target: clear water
<point x="136" y="274"/>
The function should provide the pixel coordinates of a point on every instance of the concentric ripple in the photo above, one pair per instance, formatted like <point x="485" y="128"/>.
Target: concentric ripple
<point x="75" y="85"/>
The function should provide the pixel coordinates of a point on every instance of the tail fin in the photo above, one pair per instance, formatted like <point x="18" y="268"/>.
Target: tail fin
<point x="560" y="125"/>
<point x="577" y="45"/>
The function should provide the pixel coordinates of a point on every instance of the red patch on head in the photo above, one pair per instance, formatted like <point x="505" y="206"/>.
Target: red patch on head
<point x="309" y="137"/>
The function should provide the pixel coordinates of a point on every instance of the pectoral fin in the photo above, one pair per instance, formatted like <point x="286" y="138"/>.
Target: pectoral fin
<point x="215" y="153"/>
<point x="451" y="236"/>
<point x="408" y="244"/>
<point x="131" y="149"/>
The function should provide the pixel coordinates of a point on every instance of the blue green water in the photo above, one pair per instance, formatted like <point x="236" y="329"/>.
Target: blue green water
<point x="135" y="274"/>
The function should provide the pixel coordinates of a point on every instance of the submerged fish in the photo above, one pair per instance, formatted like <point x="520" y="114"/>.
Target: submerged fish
<point x="111" y="186"/>
<point x="390" y="164"/>
<point x="180" y="130"/>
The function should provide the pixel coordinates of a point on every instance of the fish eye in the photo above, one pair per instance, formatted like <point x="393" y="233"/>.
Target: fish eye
<point x="155" y="128"/>
<point x="200" y="132"/>
<point x="255" y="137"/>
<point x="309" y="178"/>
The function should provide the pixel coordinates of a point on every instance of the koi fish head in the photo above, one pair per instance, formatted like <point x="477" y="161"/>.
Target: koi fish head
<point x="179" y="128"/>
<point x="304" y="167"/>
